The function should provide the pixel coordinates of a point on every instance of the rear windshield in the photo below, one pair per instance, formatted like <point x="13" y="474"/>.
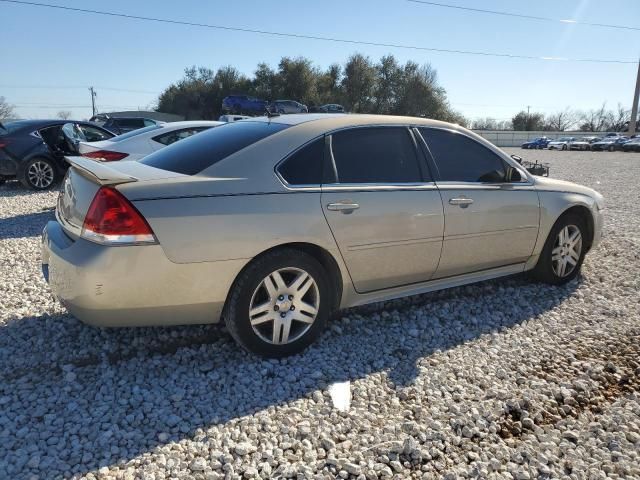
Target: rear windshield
<point x="10" y="127"/>
<point x="133" y="133"/>
<point x="194" y="154"/>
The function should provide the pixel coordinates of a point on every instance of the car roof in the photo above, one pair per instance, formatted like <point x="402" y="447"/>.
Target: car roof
<point x="40" y="123"/>
<point x="343" y="120"/>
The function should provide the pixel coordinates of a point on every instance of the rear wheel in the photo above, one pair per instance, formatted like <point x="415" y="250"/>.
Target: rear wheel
<point x="38" y="174"/>
<point x="279" y="304"/>
<point x="563" y="252"/>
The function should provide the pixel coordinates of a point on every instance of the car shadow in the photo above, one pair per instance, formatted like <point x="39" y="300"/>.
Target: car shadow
<point x="26" y="225"/>
<point x="104" y="396"/>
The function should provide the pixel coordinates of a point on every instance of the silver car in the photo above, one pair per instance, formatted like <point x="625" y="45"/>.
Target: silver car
<point x="288" y="106"/>
<point x="272" y="224"/>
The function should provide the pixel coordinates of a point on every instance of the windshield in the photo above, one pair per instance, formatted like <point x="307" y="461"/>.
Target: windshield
<point x="133" y="133"/>
<point x="194" y="154"/>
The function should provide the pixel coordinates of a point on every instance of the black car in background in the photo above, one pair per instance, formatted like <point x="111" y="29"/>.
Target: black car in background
<point x="632" y="145"/>
<point x="610" y="143"/>
<point x="33" y="151"/>
<point x="538" y="143"/>
<point x="120" y="125"/>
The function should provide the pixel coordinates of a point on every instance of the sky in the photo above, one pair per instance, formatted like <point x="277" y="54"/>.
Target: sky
<point x="51" y="57"/>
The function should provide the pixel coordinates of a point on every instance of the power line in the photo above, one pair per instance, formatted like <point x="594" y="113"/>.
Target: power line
<point x="520" y="15"/>
<point x="75" y="87"/>
<point x="314" y="37"/>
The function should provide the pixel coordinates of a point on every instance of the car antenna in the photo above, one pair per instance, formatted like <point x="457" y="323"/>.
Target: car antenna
<point x="271" y="114"/>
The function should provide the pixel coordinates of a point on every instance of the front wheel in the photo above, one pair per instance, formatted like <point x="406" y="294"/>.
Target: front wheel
<point x="564" y="147"/>
<point x="38" y="174"/>
<point x="563" y="252"/>
<point x="279" y="304"/>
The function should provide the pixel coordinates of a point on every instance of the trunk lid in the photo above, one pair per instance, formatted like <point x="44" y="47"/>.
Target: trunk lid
<point x="84" y="179"/>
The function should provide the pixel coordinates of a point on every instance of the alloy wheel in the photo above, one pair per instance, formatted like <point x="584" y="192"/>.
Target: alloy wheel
<point x="40" y="174"/>
<point x="566" y="251"/>
<point x="284" y="306"/>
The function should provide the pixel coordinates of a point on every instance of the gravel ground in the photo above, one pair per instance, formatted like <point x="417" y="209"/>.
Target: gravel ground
<point x="505" y="379"/>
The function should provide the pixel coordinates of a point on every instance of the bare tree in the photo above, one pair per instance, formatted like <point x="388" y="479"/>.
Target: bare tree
<point x="594" y="120"/>
<point x="490" y="124"/>
<point x="618" y="120"/>
<point x="64" y="114"/>
<point x="6" y="109"/>
<point x="561" y="121"/>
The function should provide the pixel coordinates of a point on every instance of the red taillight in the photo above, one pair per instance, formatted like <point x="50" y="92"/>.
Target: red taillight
<point x="106" y="155"/>
<point x="4" y="143"/>
<point x="113" y="219"/>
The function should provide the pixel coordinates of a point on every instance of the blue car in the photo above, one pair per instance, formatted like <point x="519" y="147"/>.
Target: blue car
<point x="240" y="104"/>
<point x="539" y="143"/>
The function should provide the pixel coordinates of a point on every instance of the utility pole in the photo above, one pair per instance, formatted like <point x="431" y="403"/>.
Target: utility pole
<point x="528" y="117"/>
<point x="634" y="107"/>
<point x="93" y="100"/>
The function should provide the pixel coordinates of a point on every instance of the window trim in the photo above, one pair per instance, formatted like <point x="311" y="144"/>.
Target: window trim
<point x="451" y="184"/>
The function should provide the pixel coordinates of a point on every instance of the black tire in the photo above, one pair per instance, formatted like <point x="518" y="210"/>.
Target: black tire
<point x="543" y="270"/>
<point x="564" y="147"/>
<point x="28" y="180"/>
<point x="2" y="180"/>
<point x="611" y="148"/>
<point x="236" y="313"/>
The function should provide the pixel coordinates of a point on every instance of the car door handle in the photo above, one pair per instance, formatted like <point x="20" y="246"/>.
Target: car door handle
<point x="344" y="207"/>
<point x="463" y="202"/>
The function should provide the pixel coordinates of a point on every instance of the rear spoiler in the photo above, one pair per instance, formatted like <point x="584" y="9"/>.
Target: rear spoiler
<point x="98" y="171"/>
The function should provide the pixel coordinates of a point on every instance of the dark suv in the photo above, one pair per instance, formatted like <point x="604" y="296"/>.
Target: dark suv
<point x="122" y="125"/>
<point x="33" y="151"/>
<point x="240" y="104"/>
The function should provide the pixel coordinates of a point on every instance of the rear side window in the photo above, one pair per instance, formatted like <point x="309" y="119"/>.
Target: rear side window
<point x="375" y="155"/>
<point x="461" y="159"/>
<point x="193" y="155"/>
<point x="304" y="167"/>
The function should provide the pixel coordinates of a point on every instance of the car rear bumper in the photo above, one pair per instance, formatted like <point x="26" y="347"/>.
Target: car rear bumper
<point x="132" y="285"/>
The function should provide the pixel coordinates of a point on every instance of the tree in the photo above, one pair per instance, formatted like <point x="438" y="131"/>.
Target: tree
<point x="618" y="120"/>
<point x="560" y="121"/>
<point x="297" y="79"/>
<point x="6" y="109"/>
<point x="594" y="120"/>
<point x="265" y="82"/>
<point x="358" y="83"/>
<point x="528" y="121"/>
<point x="64" y="114"/>
<point x="328" y="85"/>
<point x="490" y="124"/>
<point x="389" y="82"/>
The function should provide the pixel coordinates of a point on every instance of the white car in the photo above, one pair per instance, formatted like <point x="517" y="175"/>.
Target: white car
<point x="561" y="143"/>
<point x="232" y="118"/>
<point x="139" y="143"/>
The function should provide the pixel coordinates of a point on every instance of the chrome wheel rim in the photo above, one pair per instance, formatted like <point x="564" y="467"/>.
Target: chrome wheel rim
<point x="284" y="306"/>
<point x="40" y="174"/>
<point x="566" y="251"/>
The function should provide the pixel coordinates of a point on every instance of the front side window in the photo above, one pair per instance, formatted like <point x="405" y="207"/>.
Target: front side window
<point x="304" y="167"/>
<point x="375" y="155"/>
<point x="462" y="159"/>
<point x="172" y="137"/>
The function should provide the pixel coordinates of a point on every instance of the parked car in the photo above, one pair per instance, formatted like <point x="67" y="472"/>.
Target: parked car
<point x="609" y="144"/>
<point x="632" y="145"/>
<point x="287" y="106"/>
<point x="243" y="104"/>
<point x="232" y="118"/>
<point x="537" y="143"/>
<point x="124" y="125"/>
<point x="253" y="222"/>
<point x="331" y="108"/>
<point x="138" y="144"/>
<point x="583" y="143"/>
<point x="33" y="151"/>
<point x="561" y="143"/>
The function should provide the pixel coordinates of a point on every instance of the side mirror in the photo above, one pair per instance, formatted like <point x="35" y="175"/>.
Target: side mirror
<point x="513" y="175"/>
<point x="517" y="158"/>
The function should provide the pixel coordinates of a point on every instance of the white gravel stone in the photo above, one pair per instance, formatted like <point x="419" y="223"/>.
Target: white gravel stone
<point x="504" y="379"/>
